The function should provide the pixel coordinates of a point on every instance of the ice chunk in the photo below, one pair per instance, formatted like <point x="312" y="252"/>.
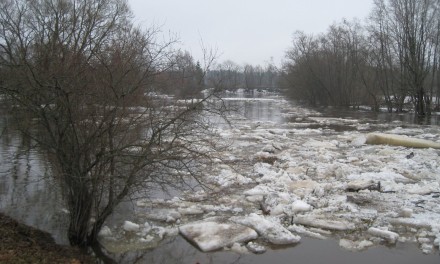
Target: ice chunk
<point x="192" y="210"/>
<point x="427" y="248"/>
<point x="105" y="232"/>
<point x="274" y="232"/>
<point x="359" y="141"/>
<point x="211" y="235"/>
<point x="297" y="207"/>
<point x="355" y="245"/>
<point x="412" y="222"/>
<point x="165" y="215"/>
<point x="304" y="187"/>
<point x="227" y="178"/>
<point x="361" y="184"/>
<point x="255" y="248"/>
<point x="300" y="206"/>
<point x="302" y="230"/>
<point x="130" y="226"/>
<point x="398" y="140"/>
<point x="437" y="240"/>
<point x="147" y="239"/>
<point x="424" y="188"/>
<point x="238" y="248"/>
<point x="406" y="212"/>
<point x="391" y="237"/>
<point x="338" y="225"/>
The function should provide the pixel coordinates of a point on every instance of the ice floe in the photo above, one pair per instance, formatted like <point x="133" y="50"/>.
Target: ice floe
<point x="337" y="225"/>
<point x="391" y="237"/>
<point x="212" y="235"/>
<point x="274" y="232"/>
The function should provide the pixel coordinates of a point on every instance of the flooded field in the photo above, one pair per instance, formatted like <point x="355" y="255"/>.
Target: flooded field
<point x="302" y="181"/>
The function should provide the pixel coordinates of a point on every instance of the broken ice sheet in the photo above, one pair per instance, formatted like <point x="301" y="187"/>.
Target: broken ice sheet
<point x="213" y="235"/>
<point x="274" y="232"/>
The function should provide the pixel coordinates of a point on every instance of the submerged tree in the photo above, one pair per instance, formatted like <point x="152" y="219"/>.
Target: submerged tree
<point x="78" y="75"/>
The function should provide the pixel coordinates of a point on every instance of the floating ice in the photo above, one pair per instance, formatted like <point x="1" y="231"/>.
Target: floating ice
<point x="338" y="225"/>
<point x="391" y="237"/>
<point x="270" y="230"/>
<point x="255" y="248"/>
<point x="427" y="248"/>
<point x="192" y="210"/>
<point x="361" y="184"/>
<point x="303" y="231"/>
<point x="210" y="235"/>
<point x="437" y="240"/>
<point x="228" y="177"/>
<point x="398" y="140"/>
<point x="238" y="248"/>
<point x="130" y="226"/>
<point x="105" y="232"/>
<point x="406" y="212"/>
<point x="164" y="215"/>
<point x="315" y="167"/>
<point x="355" y="245"/>
<point x="297" y="207"/>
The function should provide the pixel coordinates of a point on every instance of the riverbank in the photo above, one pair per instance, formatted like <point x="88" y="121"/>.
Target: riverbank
<point x="23" y="244"/>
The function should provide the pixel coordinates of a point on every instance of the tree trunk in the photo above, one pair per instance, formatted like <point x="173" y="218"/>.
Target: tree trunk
<point x="420" y="102"/>
<point x="80" y="216"/>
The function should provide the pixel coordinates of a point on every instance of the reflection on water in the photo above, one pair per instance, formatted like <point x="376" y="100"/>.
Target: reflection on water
<point x="258" y="107"/>
<point x="27" y="192"/>
<point x="384" y="117"/>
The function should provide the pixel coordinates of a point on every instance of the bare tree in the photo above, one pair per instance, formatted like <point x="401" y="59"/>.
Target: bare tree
<point x="78" y="75"/>
<point x="411" y="27"/>
<point x="325" y="70"/>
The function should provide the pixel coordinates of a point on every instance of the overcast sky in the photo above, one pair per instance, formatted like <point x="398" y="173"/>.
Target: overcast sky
<point x="245" y="31"/>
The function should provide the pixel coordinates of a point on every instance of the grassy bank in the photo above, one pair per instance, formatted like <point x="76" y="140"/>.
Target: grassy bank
<point x="23" y="244"/>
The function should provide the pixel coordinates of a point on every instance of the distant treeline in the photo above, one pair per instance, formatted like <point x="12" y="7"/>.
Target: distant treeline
<point x="390" y="60"/>
<point x="230" y="76"/>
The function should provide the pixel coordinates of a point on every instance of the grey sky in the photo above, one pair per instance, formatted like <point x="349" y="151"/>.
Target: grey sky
<point x="245" y="31"/>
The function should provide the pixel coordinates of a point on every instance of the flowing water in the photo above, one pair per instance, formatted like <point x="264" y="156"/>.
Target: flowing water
<point x="28" y="193"/>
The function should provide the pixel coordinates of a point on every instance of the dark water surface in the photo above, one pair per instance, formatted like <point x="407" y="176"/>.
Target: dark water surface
<point x="308" y="251"/>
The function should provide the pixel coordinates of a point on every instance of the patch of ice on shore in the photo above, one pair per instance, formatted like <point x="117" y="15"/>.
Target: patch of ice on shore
<point x="274" y="232"/>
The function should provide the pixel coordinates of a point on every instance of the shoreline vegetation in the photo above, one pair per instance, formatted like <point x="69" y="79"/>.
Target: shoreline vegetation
<point x="20" y="243"/>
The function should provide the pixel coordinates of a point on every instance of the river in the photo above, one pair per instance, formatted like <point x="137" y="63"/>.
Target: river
<point x="28" y="193"/>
